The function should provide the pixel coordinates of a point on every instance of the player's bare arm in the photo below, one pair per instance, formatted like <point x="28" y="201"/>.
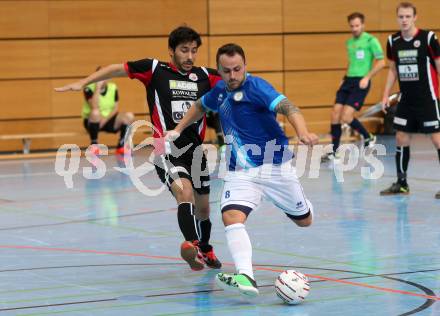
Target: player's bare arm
<point x="294" y="116"/>
<point x="378" y="65"/>
<point x="391" y="79"/>
<point x="94" y="100"/>
<point x="107" y="72"/>
<point x="437" y="65"/>
<point x="286" y="107"/>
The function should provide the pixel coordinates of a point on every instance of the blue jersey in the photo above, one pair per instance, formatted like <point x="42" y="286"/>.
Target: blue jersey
<point x="248" y="119"/>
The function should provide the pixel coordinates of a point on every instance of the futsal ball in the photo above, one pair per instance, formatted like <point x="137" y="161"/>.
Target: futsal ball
<point x="292" y="287"/>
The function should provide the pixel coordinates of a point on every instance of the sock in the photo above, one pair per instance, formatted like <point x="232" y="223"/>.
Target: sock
<point x="187" y="221"/>
<point x="402" y="160"/>
<point x="240" y="248"/>
<point x="122" y="135"/>
<point x="93" y="129"/>
<point x="336" y="132"/>
<point x="204" y="228"/>
<point x="358" y="127"/>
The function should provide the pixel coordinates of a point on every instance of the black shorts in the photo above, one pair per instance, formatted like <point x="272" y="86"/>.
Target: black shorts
<point x="109" y="126"/>
<point x="423" y="117"/>
<point x="350" y="94"/>
<point x="170" y="168"/>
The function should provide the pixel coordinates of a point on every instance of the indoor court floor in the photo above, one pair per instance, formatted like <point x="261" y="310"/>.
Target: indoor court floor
<point x="104" y="248"/>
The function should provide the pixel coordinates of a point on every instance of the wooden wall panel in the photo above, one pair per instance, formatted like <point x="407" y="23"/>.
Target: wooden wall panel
<point x="80" y="57"/>
<point x="31" y="19"/>
<point x="330" y="16"/>
<point x="245" y="17"/>
<point x="326" y="16"/>
<point x="263" y="52"/>
<point x="297" y="46"/>
<point x="24" y="19"/>
<point x="377" y="86"/>
<point x="25" y="126"/>
<point x="75" y="125"/>
<point x="383" y="38"/>
<point x="318" y="88"/>
<point x="132" y="95"/>
<point x="427" y="14"/>
<point x="317" y="121"/>
<point x="276" y="79"/>
<point x="36" y="98"/>
<point x="20" y="127"/>
<point x="24" y="59"/>
<point x="125" y="18"/>
<point x="25" y="98"/>
<point x="312" y="88"/>
<point x="65" y="103"/>
<point x="132" y="98"/>
<point x="315" y="51"/>
<point x="319" y="51"/>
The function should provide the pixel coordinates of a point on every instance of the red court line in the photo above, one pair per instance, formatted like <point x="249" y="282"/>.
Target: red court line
<point x="130" y="254"/>
<point x="115" y="253"/>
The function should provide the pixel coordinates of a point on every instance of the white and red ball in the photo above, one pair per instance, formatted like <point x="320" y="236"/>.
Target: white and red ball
<point x="292" y="287"/>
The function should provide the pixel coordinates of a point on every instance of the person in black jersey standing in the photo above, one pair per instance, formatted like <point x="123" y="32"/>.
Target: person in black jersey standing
<point x="171" y="87"/>
<point x="414" y="56"/>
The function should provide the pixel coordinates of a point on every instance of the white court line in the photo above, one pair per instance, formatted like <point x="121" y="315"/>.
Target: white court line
<point x="20" y="175"/>
<point x="32" y="240"/>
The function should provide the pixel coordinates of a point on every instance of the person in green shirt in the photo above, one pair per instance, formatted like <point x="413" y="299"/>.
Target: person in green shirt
<point x="365" y="59"/>
<point x="100" y="113"/>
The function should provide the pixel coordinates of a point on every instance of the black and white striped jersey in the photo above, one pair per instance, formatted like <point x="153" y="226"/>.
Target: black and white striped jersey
<point x="415" y="65"/>
<point x="170" y="93"/>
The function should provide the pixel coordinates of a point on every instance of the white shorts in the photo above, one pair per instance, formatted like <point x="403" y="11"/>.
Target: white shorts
<point x="244" y="189"/>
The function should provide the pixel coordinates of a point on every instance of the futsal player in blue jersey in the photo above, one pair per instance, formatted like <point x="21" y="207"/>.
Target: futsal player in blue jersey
<point x="259" y="159"/>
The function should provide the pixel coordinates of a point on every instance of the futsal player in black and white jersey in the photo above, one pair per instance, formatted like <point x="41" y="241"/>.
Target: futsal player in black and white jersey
<point x="171" y="89"/>
<point x="414" y="58"/>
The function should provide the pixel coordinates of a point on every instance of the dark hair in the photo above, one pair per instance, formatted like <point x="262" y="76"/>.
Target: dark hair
<point x="356" y="15"/>
<point x="230" y="49"/>
<point x="406" y="5"/>
<point x="183" y="34"/>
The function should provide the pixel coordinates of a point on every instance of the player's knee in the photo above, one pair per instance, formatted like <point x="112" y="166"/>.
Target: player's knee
<point x="182" y="191"/>
<point x="436" y="141"/>
<point x="304" y="220"/>
<point x="231" y="217"/>
<point x="184" y="195"/>
<point x="346" y="118"/>
<point x="336" y="116"/>
<point x="402" y="139"/>
<point x="128" y="118"/>
<point x="94" y="116"/>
